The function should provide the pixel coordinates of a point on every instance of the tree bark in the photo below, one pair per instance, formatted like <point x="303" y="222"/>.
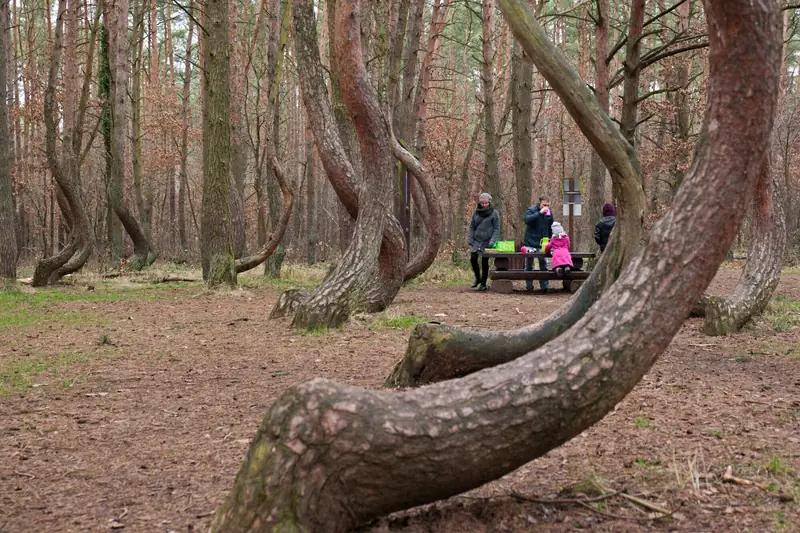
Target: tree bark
<point x="597" y="174"/>
<point x="184" y="152"/>
<point x="328" y="457"/>
<point x="271" y="243"/>
<point x="434" y="341"/>
<point x="521" y="84"/>
<point x="632" y="67"/>
<point x="491" y="169"/>
<point x="724" y="315"/>
<point x="65" y="172"/>
<point x="278" y="39"/>
<point x="459" y="223"/>
<point x="370" y="273"/>
<point x="8" y="237"/>
<point x="217" y="236"/>
<point x="116" y="19"/>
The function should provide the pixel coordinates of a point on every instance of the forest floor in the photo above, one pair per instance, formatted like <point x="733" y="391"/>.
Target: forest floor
<point x="129" y="406"/>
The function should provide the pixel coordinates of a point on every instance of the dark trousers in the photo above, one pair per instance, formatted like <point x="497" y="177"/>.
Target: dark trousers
<point x="473" y="259"/>
<point x="529" y="266"/>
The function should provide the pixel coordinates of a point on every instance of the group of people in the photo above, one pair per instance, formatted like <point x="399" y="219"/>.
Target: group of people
<point x="542" y="234"/>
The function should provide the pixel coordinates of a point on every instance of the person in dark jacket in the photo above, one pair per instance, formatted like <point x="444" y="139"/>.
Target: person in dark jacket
<point x="602" y="230"/>
<point x="484" y="231"/>
<point x="538" y="222"/>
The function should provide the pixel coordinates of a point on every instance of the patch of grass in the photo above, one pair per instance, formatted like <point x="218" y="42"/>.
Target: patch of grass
<point x="316" y="331"/>
<point x="25" y="308"/>
<point x="293" y="276"/>
<point x="21" y="373"/>
<point x="641" y="422"/>
<point x="777" y="466"/>
<point x="781" y="523"/>
<point x="742" y="358"/>
<point x="717" y="433"/>
<point x="648" y="463"/>
<point x="783" y="313"/>
<point x="443" y="273"/>
<point x="402" y="321"/>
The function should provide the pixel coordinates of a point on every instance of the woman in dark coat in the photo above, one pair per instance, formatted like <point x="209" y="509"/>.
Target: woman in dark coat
<point x="484" y="231"/>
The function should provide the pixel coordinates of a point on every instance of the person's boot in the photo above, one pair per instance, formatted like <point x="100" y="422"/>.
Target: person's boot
<point x="475" y="285"/>
<point x="483" y="287"/>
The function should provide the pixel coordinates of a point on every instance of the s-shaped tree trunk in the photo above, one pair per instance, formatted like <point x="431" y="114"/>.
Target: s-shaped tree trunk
<point x="328" y="457"/>
<point x="728" y="314"/>
<point x="65" y="170"/>
<point x="370" y="273"/>
<point x="436" y="352"/>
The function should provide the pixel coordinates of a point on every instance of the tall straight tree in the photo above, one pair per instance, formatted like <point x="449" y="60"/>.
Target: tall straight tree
<point x="8" y="239"/>
<point x="217" y="237"/>
<point x="491" y="159"/>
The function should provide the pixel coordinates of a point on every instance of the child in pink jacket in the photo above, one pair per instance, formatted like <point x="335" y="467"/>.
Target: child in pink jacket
<point x="558" y="247"/>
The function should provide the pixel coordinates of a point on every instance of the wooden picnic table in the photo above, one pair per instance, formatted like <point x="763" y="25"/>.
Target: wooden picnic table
<point x="509" y="266"/>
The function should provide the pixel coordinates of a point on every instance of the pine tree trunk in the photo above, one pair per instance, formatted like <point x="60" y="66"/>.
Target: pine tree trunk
<point x="117" y="23"/>
<point x="217" y="233"/>
<point x="329" y="457"/>
<point x="491" y="168"/>
<point x="65" y="172"/>
<point x="522" y="82"/>
<point x="8" y="237"/>
<point x="724" y="315"/>
<point x="597" y="174"/>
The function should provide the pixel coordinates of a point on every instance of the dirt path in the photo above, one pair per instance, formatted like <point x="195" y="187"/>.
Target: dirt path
<point x="135" y="414"/>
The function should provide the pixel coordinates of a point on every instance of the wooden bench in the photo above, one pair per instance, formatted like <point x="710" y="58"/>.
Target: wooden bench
<point x="509" y="266"/>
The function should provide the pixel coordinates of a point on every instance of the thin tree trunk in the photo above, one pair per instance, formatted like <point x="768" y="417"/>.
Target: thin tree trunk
<point x="630" y="95"/>
<point x="521" y="83"/>
<point x="491" y="169"/>
<point x="311" y="200"/>
<point x="185" y="118"/>
<point x="597" y="174"/>
<point x="8" y="237"/>
<point x="330" y="457"/>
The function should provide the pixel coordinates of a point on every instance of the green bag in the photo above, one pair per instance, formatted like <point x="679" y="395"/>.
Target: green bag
<point x="504" y="246"/>
<point x="543" y="243"/>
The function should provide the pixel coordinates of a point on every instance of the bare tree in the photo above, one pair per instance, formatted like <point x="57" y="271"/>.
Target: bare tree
<point x="328" y="457"/>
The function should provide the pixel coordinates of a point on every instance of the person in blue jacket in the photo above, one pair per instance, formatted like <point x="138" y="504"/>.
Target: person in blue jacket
<point x="484" y="231"/>
<point x="538" y="222"/>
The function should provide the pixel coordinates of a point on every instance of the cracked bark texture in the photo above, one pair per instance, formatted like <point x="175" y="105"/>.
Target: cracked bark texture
<point x="328" y="457"/>
<point x="729" y="314"/>
<point x="436" y="352"/>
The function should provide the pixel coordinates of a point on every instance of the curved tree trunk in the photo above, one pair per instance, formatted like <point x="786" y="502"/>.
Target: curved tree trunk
<point x="352" y="285"/>
<point x="430" y="342"/>
<point x="328" y="457"/>
<point x="118" y="54"/>
<point x="49" y="270"/>
<point x="247" y="263"/>
<point x="362" y="280"/>
<point x="762" y="273"/>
